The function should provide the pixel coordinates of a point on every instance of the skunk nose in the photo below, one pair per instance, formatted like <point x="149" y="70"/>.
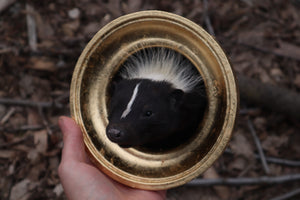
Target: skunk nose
<point x="114" y="135"/>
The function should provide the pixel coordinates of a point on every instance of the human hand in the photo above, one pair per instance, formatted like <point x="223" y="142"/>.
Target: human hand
<point x="82" y="180"/>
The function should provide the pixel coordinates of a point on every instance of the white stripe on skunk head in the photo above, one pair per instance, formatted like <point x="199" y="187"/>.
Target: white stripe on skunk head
<point x="161" y="64"/>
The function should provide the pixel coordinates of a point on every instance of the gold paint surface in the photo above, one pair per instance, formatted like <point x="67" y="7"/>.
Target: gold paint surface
<point x="101" y="59"/>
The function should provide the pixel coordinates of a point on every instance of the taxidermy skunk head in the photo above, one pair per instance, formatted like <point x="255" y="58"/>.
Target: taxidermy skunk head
<point x="158" y="99"/>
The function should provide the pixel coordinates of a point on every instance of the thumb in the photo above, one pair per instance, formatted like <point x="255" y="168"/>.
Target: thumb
<point x="73" y="149"/>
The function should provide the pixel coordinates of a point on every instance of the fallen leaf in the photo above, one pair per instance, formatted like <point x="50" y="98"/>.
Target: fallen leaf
<point x="238" y="163"/>
<point x="277" y="74"/>
<point x="240" y="145"/>
<point x="91" y="28"/>
<point x="260" y="123"/>
<point x="222" y="191"/>
<point x="7" y="154"/>
<point x="132" y="6"/>
<point x="297" y="80"/>
<point x="58" y="190"/>
<point x="20" y="190"/>
<point x="33" y="117"/>
<point x="272" y="144"/>
<point x="74" y="13"/>
<point x="42" y="63"/>
<point x="288" y="50"/>
<point x="70" y="28"/>
<point x="44" y="29"/>
<point x="41" y="141"/>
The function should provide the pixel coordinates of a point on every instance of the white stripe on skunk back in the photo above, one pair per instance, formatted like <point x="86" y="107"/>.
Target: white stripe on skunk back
<point x="161" y="64"/>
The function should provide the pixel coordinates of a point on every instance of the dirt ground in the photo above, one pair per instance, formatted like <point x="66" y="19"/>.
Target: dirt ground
<point x="40" y="42"/>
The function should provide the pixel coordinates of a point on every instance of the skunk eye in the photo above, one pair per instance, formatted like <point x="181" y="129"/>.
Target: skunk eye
<point x="148" y="113"/>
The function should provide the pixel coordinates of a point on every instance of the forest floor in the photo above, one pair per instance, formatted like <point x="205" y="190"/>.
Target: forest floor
<point x="40" y="42"/>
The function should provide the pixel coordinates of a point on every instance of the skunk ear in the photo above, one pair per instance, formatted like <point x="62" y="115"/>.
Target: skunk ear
<point x="176" y="98"/>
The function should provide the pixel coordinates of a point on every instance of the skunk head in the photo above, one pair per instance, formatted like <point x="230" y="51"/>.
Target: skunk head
<point x="142" y="111"/>
<point x="149" y="102"/>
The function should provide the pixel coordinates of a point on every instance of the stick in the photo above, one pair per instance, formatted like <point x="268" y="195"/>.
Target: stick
<point x="7" y="50"/>
<point x="273" y="98"/>
<point x="17" y="141"/>
<point x="45" y="122"/>
<point x="270" y="51"/>
<point x="287" y="195"/>
<point x="290" y="163"/>
<point x="5" y="4"/>
<point x="263" y="180"/>
<point x="7" y="116"/>
<point x="207" y="19"/>
<point x="26" y="128"/>
<point x="31" y="28"/>
<point x="20" y="102"/>
<point x="259" y="147"/>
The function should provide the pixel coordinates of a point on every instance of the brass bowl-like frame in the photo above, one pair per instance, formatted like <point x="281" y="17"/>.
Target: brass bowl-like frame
<point x="99" y="62"/>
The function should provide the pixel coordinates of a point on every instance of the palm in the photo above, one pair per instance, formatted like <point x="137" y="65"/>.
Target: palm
<point x="81" y="180"/>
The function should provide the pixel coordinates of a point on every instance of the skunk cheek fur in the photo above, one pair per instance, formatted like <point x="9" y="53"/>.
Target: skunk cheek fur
<point x="158" y="101"/>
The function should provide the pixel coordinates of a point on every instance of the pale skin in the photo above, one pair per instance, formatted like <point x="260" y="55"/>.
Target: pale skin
<point x="81" y="180"/>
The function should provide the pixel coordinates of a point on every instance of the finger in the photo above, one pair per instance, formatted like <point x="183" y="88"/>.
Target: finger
<point x="73" y="149"/>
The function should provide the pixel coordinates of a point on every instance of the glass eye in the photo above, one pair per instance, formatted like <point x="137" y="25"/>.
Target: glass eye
<point x="148" y="113"/>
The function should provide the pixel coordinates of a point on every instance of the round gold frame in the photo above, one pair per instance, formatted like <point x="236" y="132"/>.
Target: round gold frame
<point x="102" y="58"/>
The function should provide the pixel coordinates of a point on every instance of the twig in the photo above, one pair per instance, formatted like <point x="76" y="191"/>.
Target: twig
<point x="269" y="51"/>
<point x="249" y="111"/>
<point x="273" y="98"/>
<point x="45" y="122"/>
<point x="31" y="28"/>
<point x="259" y="147"/>
<point x="17" y="141"/>
<point x="291" y="163"/>
<point x="197" y="9"/>
<point x="263" y="180"/>
<point x="280" y="161"/>
<point x="26" y="128"/>
<point x="287" y="195"/>
<point x="207" y="19"/>
<point x="64" y="96"/>
<point x="5" y="4"/>
<point x="6" y="50"/>
<point x="7" y="115"/>
<point x="20" y="102"/>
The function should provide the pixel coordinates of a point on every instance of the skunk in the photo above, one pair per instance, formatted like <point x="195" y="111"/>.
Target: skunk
<point x="157" y="100"/>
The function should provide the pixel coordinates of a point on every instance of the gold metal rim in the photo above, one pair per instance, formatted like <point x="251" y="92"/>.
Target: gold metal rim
<point x="102" y="58"/>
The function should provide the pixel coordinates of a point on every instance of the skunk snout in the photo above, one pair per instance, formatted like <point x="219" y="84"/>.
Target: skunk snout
<point x="114" y="134"/>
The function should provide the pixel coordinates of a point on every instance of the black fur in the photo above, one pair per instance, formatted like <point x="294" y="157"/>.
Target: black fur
<point x="161" y="116"/>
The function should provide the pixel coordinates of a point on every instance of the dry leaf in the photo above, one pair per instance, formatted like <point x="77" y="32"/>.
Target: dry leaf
<point x="260" y="123"/>
<point x="222" y="191"/>
<point x="33" y="117"/>
<point x="277" y="74"/>
<point x="44" y="28"/>
<point x="288" y="50"/>
<point x="70" y="28"/>
<point x="272" y="144"/>
<point x="297" y="80"/>
<point x="91" y="28"/>
<point x="41" y="141"/>
<point x="238" y="163"/>
<point x="58" y="190"/>
<point x="74" y="13"/>
<point x="42" y="63"/>
<point x="7" y="154"/>
<point x="241" y="146"/>
<point x="20" y="190"/>
<point x="132" y="6"/>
